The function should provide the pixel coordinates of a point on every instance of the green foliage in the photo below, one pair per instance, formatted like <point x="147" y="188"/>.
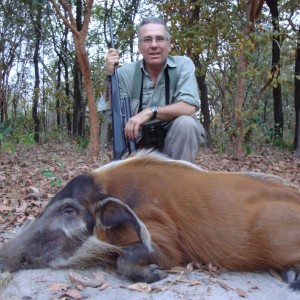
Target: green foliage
<point x="82" y="142"/>
<point x="248" y="149"/>
<point x="11" y="136"/>
<point x="54" y="179"/>
<point x="56" y="134"/>
<point x="59" y="163"/>
<point x="5" y="129"/>
<point x="282" y="144"/>
<point x="210" y="32"/>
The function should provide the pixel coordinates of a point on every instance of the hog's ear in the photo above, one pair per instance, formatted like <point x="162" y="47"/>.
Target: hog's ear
<point x="112" y="212"/>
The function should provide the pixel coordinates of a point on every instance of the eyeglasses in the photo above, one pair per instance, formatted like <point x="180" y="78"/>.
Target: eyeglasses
<point x="158" y="39"/>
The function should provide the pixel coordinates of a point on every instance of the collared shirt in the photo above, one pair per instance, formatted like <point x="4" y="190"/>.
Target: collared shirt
<point x="154" y="95"/>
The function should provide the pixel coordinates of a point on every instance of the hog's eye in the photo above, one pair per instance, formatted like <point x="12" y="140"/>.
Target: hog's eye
<point x="69" y="210"/>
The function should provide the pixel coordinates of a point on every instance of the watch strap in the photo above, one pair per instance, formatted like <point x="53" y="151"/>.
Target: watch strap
<point x="154" y="111"/>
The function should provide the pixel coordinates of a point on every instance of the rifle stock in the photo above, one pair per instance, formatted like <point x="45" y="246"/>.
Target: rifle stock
<point x="119" y="116"/>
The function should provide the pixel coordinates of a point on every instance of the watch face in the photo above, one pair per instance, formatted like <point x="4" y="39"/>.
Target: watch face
<point x="154" y="110"/>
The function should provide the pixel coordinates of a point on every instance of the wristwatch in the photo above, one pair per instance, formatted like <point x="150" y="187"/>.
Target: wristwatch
<point x="154" y="111"/>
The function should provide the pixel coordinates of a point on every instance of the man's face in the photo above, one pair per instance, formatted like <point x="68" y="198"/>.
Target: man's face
<point x="154" y="45"/>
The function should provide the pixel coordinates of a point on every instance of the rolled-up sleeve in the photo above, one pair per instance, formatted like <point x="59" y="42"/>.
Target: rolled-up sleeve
<point x="186" y="88"/>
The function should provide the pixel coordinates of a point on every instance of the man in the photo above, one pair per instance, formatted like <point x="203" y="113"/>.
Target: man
<point x="159" y="98"/>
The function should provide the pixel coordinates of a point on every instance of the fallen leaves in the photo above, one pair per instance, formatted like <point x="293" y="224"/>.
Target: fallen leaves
<point x="4" y="208"/>
<point x="58" y="287"/>
<point x="97" y="281"/>
<point x="241" y="293"/>
<point x="265" y="159"/>
<point x="24" y="190"/>
<point x="140" y="287"/>
<point x="35" y="193"/>
<point x="78" y="283"/>
<point x="72" y="293"/>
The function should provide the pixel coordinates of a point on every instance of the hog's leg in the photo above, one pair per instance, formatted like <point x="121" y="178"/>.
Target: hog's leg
<point x="133" y="263"/>
<point x="292" y="277"/>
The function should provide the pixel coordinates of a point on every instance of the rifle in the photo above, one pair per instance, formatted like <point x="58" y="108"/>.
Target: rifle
<point x="120" y="114"/>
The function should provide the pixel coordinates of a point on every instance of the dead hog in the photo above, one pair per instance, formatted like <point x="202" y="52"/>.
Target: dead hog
<point x="149" y="213"/>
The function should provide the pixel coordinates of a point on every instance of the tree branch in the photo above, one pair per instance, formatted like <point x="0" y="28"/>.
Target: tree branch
<point x="259" y="7"/>
<point x="87" y="17"/>
<point x="66" y="6"/>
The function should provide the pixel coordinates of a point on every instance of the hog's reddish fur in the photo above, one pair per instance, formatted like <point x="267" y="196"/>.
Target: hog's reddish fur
<point x="237" y="221"/>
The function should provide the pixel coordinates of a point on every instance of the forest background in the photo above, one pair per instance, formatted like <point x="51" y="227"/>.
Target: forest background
<point x="247" y="57"/>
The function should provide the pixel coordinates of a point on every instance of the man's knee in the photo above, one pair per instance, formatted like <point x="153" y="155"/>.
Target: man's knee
<point x="187" y="126"/>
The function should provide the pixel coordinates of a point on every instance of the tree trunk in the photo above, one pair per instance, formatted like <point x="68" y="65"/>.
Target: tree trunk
<point x="238" y="113"/>
<point x="253" y="10"/>
<point x="278" y="113"/>
<point x="2" y="96"/>
<point x="79" y="105"/>
<point x="58" y="86"/>
<point x="201" y="80"/>
<point x="67" y="84"/>
<point x="84" y="64"/>
<point x="205" y="107"/>
<point x="36" y="95"/>
<point x="297" y="97"/>
<point x="77" y="108"/>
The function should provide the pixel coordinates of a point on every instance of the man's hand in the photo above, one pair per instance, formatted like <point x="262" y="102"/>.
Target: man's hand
<point x="166" y="113"/>
<point x="134" y="123"/>
<point x="112" y="59"/>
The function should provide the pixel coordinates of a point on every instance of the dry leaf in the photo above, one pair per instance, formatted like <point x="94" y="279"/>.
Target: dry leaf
<point x="40" y="279"/>
<point x="104" y="286"/>
<point x="194" y="282"/>
<point x="4" y="208"/>
<point x="212" y="269"/>
<point x="189" y="268"/>
<point x="224" y="285"/>
<point x="177" y="269"/>
<point x="241" y="293"/>
<point x="99" y="276"/>
<point x="140" y="287"/>
<point x="21" y="209"/>
<point x="34" y="193"/>
<point x="72" y="293"/>
<point x="57" y="287"/>
<point x="77" y="278"/>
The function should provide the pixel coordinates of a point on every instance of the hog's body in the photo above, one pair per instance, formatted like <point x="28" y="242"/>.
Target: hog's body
<point x="148" y="210"/>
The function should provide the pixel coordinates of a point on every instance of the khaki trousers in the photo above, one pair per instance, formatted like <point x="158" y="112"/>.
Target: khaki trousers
<point x="184" y="138"/>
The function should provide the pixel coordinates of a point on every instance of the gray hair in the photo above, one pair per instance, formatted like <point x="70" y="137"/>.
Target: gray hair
<point x="152" y="20"/>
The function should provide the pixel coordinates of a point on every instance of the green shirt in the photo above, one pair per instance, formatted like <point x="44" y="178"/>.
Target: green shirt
<point x="186" y="89"/>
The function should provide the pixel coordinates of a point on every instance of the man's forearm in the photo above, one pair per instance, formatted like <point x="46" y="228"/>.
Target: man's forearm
<point x="172" y="111"/>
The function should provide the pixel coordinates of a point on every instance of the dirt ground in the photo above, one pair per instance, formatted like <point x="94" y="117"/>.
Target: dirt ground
<point x="57" y="284"/>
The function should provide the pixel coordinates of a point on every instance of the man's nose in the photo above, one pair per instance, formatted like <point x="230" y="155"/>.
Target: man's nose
<point x="153" y="43"/>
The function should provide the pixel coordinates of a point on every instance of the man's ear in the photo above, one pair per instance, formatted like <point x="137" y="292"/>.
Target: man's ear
<point x="111" y="212"/>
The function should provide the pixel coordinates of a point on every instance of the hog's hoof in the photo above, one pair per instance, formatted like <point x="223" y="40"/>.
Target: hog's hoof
<point x="155" y="273"/>
<point x="289" y="275"/>
<point x="292" y="277"/>
<point x="148" y="273"/>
